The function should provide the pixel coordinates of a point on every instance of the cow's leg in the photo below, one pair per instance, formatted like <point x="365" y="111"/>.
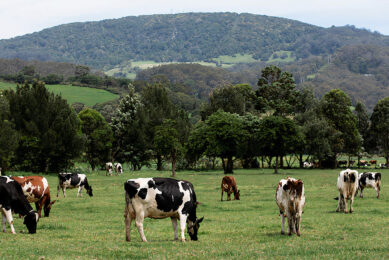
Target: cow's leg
<point x="377" y="189"/>
<point x="222" y="195"/>
<point x="79" y="191"/>
<point x="351" y="204"/>
<point x="228" y="195"/>
<point x="298" y="223"/>
<point x="4" y="220"/>
<point x="345" y="203"/>
<point x="361" y="193"/>
<point x="127" y="221"/>
<point x="8" y="215"/>
<point x="182" y="226"/>
<point x="282" y="223"/>
<point x="290" y="224"/>
<point x="58" y="190"/>
<point x="39" y="205"/>
<point x="339" y="208"/>
<point x="139" y="224"/>
<point x="174" y="223"/>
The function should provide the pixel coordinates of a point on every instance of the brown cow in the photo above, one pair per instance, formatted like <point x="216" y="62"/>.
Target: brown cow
<point x="229" y="186"/>
<point x="373" y="161"/>
<point x="36" y="190"/>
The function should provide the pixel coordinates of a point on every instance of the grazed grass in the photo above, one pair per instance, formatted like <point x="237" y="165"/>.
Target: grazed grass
<point x="289" y="57"/>
<point x="93" y="228"/>
<point x="87" y="96"/>
<point x="237" y="58"/>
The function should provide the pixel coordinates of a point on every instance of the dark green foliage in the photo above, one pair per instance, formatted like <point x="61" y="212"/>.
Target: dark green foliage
<point x="53" y="79"/>
<point x="363" y="122"/>
<point x="276" y="91"/>
<point x="181" y="37"/>
<point x="47" y="126"/>
<point x="237" y="99"/>
<point x="278" y="136"/>
<point x="99" y="137"/>
<point x="379" y="130"/>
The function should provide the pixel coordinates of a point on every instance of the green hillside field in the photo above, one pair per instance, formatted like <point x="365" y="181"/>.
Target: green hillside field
<point x="93" y="227"/>
<point x="73" y="94"/>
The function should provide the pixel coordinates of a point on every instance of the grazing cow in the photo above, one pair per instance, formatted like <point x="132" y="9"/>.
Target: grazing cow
<point x="108" y="168"/>
<point x="118" y="168"/>
<point x="12" y="199"/>
<point x="229" y="186"/>
<point x="351" y="163"/>
<point x="73" y="180"/>
<point x="347" y="187"/>
<point x="370" y="179"/>
<point x="161" y="198"/>
<point x="308" y="164"/>
<point x="382" y="165"/>
<point x="373" y="162"/>
<point x="290" y="199"/>
<point x="36" y="190"/>
<point x="362" y="163"/>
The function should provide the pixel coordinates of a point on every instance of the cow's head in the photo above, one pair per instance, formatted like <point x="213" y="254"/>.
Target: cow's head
<point x="237" y="195"/>
<point x="193" y="228"/>
<point x="47" y="208"/>
<point x="89" y="191"/>
<point x="31" y="220"/>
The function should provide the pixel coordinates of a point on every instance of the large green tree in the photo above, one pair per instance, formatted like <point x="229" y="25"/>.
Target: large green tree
<point x="336" y="109"/>
<point x="278" y="136"/>
<point x="8" y="135"/>
<point x="379" y="130"/>
<point x="276" y="91"/>
<point x="48" y="128"/>
<point x="98" y="135"/>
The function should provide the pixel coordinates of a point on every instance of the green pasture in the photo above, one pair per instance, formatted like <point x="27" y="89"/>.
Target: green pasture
<point x="87" y="96"/>
<point x="289" y="57"/>
<point x="93" y="227"/>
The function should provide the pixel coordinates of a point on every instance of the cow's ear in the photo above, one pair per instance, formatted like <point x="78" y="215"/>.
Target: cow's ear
<point x="52" y="202"/>
<point x="199" y="220"/>
<point x="198" y="203"/>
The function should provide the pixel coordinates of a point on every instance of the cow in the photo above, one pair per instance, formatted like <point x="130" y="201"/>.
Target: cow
<point x="12" y="199"/>
<point x="362" y="163"/>
<point x="343" y="162"/>
<point x="71" y="181"/>
<point x="347" y="187"/>
<point x="36" y="190"/>
<point x="229" y="185"/>
<point x="290" y="198"/>
<point x="118" y="168"/>
<point x="161" y="198"/>
<point x="373" y="162"/>
<point x="308" y="164"/>
<point x="370" y="180"/>
<point x="108" y="168"/>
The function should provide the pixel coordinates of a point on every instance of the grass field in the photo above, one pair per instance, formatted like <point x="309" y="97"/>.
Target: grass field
<point x="87" y="96"/>
<point x="93" y="227"/>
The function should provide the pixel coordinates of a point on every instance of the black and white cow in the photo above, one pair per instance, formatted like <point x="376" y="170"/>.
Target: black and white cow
<point x="161" y="198"/>
<point x="108" y="169"/>
<point x="71" y="181"/>
<point x="118" y="168"/>
<point x="12" y="199"/>
<point x="370" y="180"/>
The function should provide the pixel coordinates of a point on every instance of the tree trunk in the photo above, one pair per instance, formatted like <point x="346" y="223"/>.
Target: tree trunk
<point x="276" y="168"/>
<point x="263" y="163"/>
<point x="358" y="159"/>
<point x="223" y="164"/>
<point x="174" y="160"/>
<point x="229" y="165"/>
<point x="301" y="161"/>
<point x="281" y="161"/>
<point x="159" y="162"/>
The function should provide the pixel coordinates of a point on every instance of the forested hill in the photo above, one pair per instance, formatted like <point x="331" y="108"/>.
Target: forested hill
<point x="182" y="38"/>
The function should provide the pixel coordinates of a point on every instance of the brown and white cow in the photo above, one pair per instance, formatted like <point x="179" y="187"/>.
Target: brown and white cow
<point x="229" y="185"/>
<point x="36" y="190"/>
<point x="370" y="180"/>
<point x="290" y="198"/>
<point x="347" y="187"/>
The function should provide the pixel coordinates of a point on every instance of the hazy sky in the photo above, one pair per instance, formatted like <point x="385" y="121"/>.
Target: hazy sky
<point x="18" y="17"/>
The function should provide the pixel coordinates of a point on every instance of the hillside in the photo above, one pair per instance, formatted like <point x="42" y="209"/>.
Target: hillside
<point x="182" y="37"/>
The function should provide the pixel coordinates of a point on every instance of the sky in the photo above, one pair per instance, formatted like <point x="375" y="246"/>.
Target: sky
<point x="19" y="17"/>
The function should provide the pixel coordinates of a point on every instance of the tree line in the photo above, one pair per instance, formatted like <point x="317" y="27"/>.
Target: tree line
<point x="273" y="125"/>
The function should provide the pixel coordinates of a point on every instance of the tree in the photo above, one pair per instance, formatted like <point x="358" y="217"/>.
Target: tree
<point x="250" y="144"/>
<point x="362" y="117"/>
<point x="278" y="136"/>
<point x="48" y="128"/>
<point x="379" y="130"/>
<point x="98" y="135"/>
<point x="225" y="133"/>
<point x="335" y="107"/>
<point x="129" y="125"/>
<point x="232" y="98"/>
<point x="166" y="141"/>
<point x="8" y="136"/>
<point x="276" y="91"/>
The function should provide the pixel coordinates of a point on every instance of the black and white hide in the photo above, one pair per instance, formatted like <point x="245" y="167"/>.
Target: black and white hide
<point x="71" y="181"/>
<point x="161" y="198"/>
<point x="12" y="199"/>
<point x="370" y="180"/>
